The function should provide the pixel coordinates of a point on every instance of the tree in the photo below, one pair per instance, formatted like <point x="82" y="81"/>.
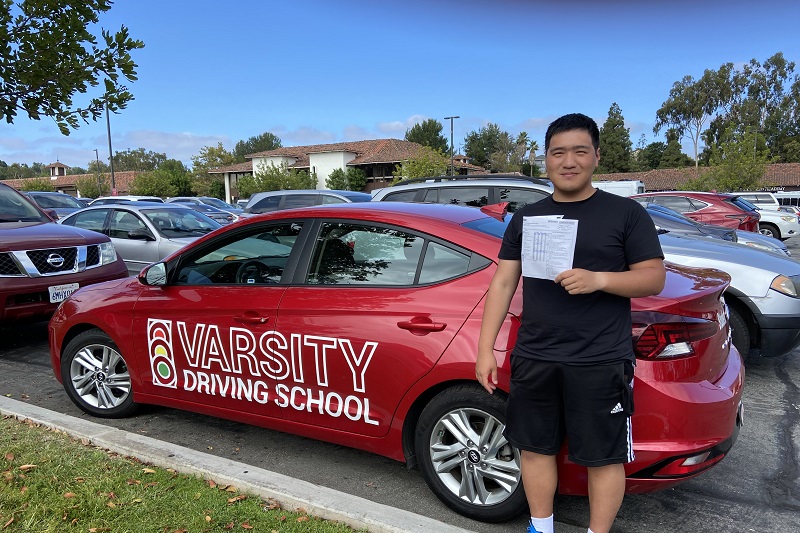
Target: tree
<point x="673" y="156"/>
<point x="76" y="171"/>
<point x="37" y="184"/>
<point x="692" y="103"/>
<point x="353" y="179"/>
<point x="16" y="171"/>
<point x="180" y="177"/>
<point x="480" y="145"/>
<point x="615" y="143"/>
<point x="271" y="177"/>
<point x="428" y="133"/>
<point x="426" y="163"/>
<point x="49" y="56"/>
<point x="259" y="143"/>
<point x="737" y="164"/>
<point x="209" y="157"/>
<point x="155" y="183"/>
<point x="139" y="160"/>
<point x="93" y="186"/>
<point x="650" y="156"/>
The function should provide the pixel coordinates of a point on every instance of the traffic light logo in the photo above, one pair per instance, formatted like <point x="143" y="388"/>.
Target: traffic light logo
<point x="162" y="360"/>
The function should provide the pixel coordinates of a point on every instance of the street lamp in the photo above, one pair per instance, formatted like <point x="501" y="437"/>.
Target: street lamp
<point x="97" y="169"/>
<point x="452" y="167"/>
<point x="110" y="154"/>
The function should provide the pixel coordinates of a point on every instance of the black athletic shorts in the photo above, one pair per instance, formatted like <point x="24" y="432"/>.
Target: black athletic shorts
<point x="590" y="404"/>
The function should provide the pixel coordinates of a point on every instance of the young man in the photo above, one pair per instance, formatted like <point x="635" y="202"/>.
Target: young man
<point x="572" y="366"/>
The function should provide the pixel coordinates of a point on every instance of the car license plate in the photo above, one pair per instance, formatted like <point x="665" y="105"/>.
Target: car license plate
<point x="59" y="293"/>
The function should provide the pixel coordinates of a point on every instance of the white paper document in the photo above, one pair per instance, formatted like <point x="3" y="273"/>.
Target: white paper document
<point x="548" y="245"/>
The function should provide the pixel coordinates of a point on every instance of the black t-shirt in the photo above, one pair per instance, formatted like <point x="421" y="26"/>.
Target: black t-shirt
<point x="613" y="232"/>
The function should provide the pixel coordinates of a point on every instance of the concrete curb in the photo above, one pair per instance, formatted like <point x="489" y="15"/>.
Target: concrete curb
<point x="292" y="494"/>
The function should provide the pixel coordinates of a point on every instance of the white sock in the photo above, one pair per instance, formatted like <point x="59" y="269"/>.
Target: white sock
<point x="543" y="525"/>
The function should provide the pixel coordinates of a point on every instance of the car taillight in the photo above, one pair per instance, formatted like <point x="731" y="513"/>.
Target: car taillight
<point x="667" y="340"/>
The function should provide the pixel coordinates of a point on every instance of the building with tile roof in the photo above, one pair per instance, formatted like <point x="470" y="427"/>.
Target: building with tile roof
<point x="69" y="184"/>
<point x="377" y="158"/>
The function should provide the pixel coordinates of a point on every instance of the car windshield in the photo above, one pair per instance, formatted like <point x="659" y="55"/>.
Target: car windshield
<point x="216" y="202"/>
<point x="173" y="223"/>
<point x="57" y="201"/>
<point x="15" y="208"/>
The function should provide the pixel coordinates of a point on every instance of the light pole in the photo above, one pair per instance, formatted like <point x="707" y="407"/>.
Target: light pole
<point x="97" y="169"/>
<point x="452" y="168"/>
<point x="110" y="154"/>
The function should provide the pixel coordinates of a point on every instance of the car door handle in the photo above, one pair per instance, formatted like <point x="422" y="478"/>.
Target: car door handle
<point x="251" y="317"/>
<point x="424" y="324"/>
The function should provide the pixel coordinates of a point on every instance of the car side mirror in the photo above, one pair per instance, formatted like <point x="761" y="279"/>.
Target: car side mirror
<point x="51" y="213"/>
<point x="141" y="234"/>
<point x="154" y="275"/>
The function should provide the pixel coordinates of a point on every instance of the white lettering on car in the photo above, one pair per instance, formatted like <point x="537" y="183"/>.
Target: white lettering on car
<point x="232" y="371"/>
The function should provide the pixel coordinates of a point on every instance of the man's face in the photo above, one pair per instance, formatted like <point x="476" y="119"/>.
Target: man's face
<point x="570" y="161"/>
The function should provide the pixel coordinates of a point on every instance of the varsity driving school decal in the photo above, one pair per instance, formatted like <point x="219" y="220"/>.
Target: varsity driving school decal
<point x="236" y="364"/>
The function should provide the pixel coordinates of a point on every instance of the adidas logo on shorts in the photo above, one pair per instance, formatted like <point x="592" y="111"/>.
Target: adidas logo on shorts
<point x="617" y="409"/>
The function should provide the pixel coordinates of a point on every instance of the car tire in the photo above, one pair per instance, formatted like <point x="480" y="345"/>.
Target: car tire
<point x="464" y="458"/>
<point x="96" y="376"/>
<point x="740" y="332"/>
<point x="769" y="230"/>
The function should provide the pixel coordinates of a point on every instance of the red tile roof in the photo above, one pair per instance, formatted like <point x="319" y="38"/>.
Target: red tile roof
<point x="122" y="180"/>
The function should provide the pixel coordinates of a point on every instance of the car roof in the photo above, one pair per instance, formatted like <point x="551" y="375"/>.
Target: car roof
<point x="488" y="180"/>
<point x="137" y="206"/>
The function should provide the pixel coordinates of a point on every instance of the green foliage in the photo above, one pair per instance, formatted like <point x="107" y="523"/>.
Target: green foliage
<point x="95" y="166"/>
<point x="615" y="143"/>
<point x="259" y="143"/>
<point x="737" y="164"/>
<point x="480" y="145"/>
<point x="272" y="177"/>
<point x="428" y="162"/>
<point x="210" y="157"/>
<point x="155" y="183"/>
<point x="140" y="160"/>
<point x="354" y="179"/>
<point x="498" y="150"/>
<point x="16" y="171"/>
<point x="217" y="189"/>
<point x="429" y="133"/>
<point x="93" y="186"/>
<point x="673" y="156"/>
<point x="52" y="482"/>
<point x="76" y="171"/>
<point x="649" y="157"/>
<point x="49" y="56"/>
<point x="37" y="184"/>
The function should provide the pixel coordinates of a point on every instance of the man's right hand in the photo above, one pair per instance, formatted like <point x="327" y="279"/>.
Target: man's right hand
<point x="486" y="371"/>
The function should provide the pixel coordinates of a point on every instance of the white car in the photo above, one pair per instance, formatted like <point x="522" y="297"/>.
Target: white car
<point x="778" y="224"/>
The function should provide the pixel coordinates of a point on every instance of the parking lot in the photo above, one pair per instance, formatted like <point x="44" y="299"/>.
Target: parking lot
<point x="756" y="488"/>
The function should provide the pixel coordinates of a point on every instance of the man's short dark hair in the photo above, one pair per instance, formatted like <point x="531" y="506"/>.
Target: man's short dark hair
<point x="573" y="121"/>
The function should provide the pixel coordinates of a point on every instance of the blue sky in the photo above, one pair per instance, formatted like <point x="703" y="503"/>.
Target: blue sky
<point x="318" y="71"/>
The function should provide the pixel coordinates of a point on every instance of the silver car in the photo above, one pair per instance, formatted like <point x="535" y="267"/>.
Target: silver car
<point x="143" y="232"/>
<point x="763" y="297"/>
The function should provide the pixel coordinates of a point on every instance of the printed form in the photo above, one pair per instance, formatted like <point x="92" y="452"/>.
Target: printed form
<point x="548" y="245"/>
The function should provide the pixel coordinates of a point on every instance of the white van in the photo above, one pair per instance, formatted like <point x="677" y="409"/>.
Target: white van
<point x="760" y="199"/>
<point x="621" y="187"/>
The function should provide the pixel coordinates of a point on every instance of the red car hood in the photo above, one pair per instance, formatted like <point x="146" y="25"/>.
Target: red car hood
<point x="21" y="235"/>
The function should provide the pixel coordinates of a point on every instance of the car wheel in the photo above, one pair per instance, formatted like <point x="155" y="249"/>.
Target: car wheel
<point x="769" y="230"/>
<point x="740" y="332"/>
<point x="464" y="457"/>
<point x="96" y="376"/>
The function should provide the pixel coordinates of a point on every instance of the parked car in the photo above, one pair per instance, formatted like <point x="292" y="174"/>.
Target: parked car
<point x="105" y="200"/>
<point x="760" y="199"/>
<point x="707" y="207"/>
<point x="41" y="263"/>
<point x="357" y="324"/>
<point x="266" y="202"/>
<point x="475" y="190"/>
<point x="763" y="297"/>
<point x="220" y="216"/>
<point x="60" y="203"/>
<point x="84" y="201"/>
<point x="143" y="232"/>
<point x="207" y="200"/>
<point x="667" y="219"/>
<point x="242" y="203"/>
<point x="775" y="223"/>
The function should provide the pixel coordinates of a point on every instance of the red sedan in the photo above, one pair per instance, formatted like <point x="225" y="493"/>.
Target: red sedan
<point x="719" y="209"/>
<point x="357" y="324"/>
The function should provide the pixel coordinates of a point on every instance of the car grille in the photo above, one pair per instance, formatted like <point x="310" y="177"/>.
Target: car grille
<point x="50" y="261"/>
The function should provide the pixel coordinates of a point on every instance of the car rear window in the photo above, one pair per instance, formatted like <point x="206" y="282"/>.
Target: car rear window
<point x="489" y="226"/>
<point x="741" y="203"/>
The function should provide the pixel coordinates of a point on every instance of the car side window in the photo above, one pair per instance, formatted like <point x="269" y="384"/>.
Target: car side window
<point x="402" y="196"/>
<point x="678" y="203"/>
<point x="442" y="263"/>
<point x="258" y="257"/>
<point x="92" y="220"/>
<point x="519" y="198"/>
<point x="265" y="205"/>
<point x="299" y="200"/>
<point x="469" y="196"/>
<point x="358" y="254"/>
<point x="328" y="199"/>
<point x="123" y="222"/>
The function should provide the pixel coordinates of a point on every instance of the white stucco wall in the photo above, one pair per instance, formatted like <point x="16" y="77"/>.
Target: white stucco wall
<point x="325" y="163"/>
<point x="273" y="160"/>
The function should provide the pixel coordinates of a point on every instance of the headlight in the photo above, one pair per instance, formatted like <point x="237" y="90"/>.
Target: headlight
<point x="786" y="285"/>
<point x="788" y="218"/>
<point x="108" y="254"/>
